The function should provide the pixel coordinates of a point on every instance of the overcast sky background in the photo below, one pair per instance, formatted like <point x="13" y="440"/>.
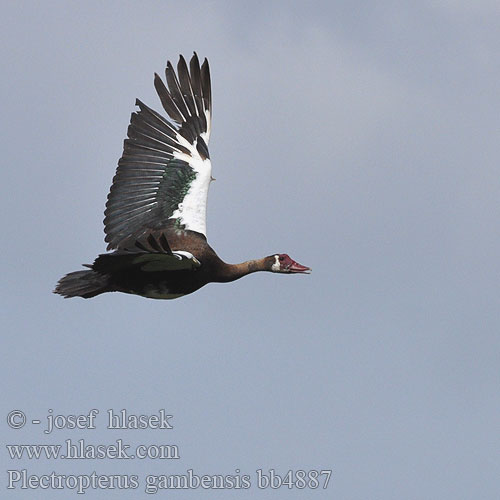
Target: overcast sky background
<point x="362" y="138"/>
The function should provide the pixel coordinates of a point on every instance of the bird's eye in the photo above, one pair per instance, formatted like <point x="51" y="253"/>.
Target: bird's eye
<point x="282" y="258"/>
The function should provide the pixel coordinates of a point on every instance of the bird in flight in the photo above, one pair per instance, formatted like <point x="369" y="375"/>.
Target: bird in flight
<point x="155" y="217"/>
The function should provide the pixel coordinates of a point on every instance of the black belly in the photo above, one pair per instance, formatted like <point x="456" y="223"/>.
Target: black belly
<point x="156" y="285"/>
<point x="132" y="273"/>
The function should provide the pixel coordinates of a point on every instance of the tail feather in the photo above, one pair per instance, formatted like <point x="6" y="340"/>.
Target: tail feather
<point x="84" y="284"/>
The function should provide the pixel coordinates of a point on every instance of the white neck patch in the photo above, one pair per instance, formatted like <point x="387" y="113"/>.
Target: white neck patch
<point x="276" y="266"/>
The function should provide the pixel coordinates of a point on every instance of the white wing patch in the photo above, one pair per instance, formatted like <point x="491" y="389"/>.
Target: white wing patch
<point x="192" y="211"/>
<point x="182" y="254"/>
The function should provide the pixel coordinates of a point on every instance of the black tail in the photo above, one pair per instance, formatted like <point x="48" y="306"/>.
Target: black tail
<point x="84" y="284"/>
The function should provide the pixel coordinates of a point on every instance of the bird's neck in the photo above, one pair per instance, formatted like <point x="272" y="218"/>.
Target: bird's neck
<point x="231" y="272"/>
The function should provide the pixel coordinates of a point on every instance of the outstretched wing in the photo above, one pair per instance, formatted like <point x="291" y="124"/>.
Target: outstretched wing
<point x="164" y="173"/>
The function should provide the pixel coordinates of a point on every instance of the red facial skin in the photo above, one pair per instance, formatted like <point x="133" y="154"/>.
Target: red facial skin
<point x="288" y="265"/>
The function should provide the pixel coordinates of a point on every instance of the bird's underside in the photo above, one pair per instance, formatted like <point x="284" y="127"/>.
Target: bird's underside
<point x="155" y="217"/>
<point x="157" y="271"/>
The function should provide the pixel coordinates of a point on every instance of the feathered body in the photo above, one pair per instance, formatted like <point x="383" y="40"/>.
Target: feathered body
<point x="155" y="218"/>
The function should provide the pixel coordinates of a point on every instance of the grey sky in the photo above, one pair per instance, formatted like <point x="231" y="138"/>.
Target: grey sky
<point x="359" y="137"/>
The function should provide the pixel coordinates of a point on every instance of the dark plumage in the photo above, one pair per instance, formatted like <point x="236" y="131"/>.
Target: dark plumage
<point x="156" y="209"/>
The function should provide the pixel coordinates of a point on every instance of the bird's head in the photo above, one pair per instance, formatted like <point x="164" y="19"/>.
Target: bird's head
<point x="282" y="263"/>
